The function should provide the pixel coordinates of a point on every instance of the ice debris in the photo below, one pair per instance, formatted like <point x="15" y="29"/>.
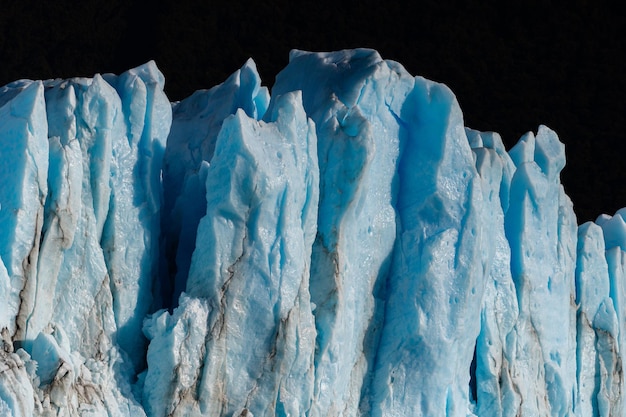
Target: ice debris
<point x="343" y="247"/>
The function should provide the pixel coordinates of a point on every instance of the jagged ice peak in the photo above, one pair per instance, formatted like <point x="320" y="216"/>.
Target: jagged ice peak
<point x="342" y="247"/>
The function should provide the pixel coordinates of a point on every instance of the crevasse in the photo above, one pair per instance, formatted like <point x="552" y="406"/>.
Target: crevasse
<point x="342" y="247"/>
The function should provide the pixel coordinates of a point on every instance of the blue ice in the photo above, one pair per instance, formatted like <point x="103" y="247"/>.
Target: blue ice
<point x="343" y="246"/>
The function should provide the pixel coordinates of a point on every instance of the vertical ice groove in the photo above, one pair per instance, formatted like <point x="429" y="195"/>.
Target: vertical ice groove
<point x="85" y="127"/>
<point x="597" y="348"/>
<point x="196" y="123"/>
<point x="130" y="240"/>
<point x="541" y="229"/>
<point x="500" y="308"/>
<point x="59" y="292"/>
<point x="566" y="258"/>
<point x="346" y="94"/>
<point x="614" y="232"/>
<point x="251" y="268"/>
<point x="437" y="282"/>
<point x="616" y="261"/>
<point x="62" y="204"/>
<point x="24" y="150"/>
<point x="96" y="104"/>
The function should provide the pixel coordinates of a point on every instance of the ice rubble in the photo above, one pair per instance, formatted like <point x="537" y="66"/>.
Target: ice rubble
<point x="344" y="247"/>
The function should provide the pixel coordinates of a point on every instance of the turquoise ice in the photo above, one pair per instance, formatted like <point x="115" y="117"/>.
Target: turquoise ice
<point x="344" y="246"/>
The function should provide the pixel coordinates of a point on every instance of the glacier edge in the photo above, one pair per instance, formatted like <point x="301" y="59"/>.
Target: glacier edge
<point x="343" y="246"/>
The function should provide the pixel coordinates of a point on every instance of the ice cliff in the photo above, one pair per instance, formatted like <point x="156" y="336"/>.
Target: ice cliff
<point x="343" y="247"/>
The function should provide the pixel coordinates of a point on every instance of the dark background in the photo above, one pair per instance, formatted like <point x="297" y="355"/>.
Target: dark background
<point x="512" y="65"/>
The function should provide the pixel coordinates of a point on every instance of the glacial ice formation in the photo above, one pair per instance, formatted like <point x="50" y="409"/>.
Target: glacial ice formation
<point x="342" y="247"/>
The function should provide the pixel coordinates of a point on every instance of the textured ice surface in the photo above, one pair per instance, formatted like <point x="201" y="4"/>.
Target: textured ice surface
<point x="345" y="247"/>
<point x="130" y="239"/>
<point x="196" y="123"/>
<point x="358" y="148"/>
<point x="24" y="173"/>
<point x="85" y="276"/>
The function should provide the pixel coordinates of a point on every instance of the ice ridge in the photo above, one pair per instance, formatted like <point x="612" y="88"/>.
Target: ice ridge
<point x="342" y="247"/>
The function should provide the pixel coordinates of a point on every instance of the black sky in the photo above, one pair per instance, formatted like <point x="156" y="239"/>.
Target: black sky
<point x="512" y="66"/>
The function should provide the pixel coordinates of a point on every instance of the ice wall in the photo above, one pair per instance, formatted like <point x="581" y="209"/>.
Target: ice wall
<point x="82" y="255"/>
<point x="343" y="247"/>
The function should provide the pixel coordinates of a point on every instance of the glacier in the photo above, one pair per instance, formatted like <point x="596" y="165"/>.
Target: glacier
<point x="342" y="245"/>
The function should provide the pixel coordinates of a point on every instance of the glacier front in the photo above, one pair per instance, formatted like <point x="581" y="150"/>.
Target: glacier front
<point x="343" y="246"/>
